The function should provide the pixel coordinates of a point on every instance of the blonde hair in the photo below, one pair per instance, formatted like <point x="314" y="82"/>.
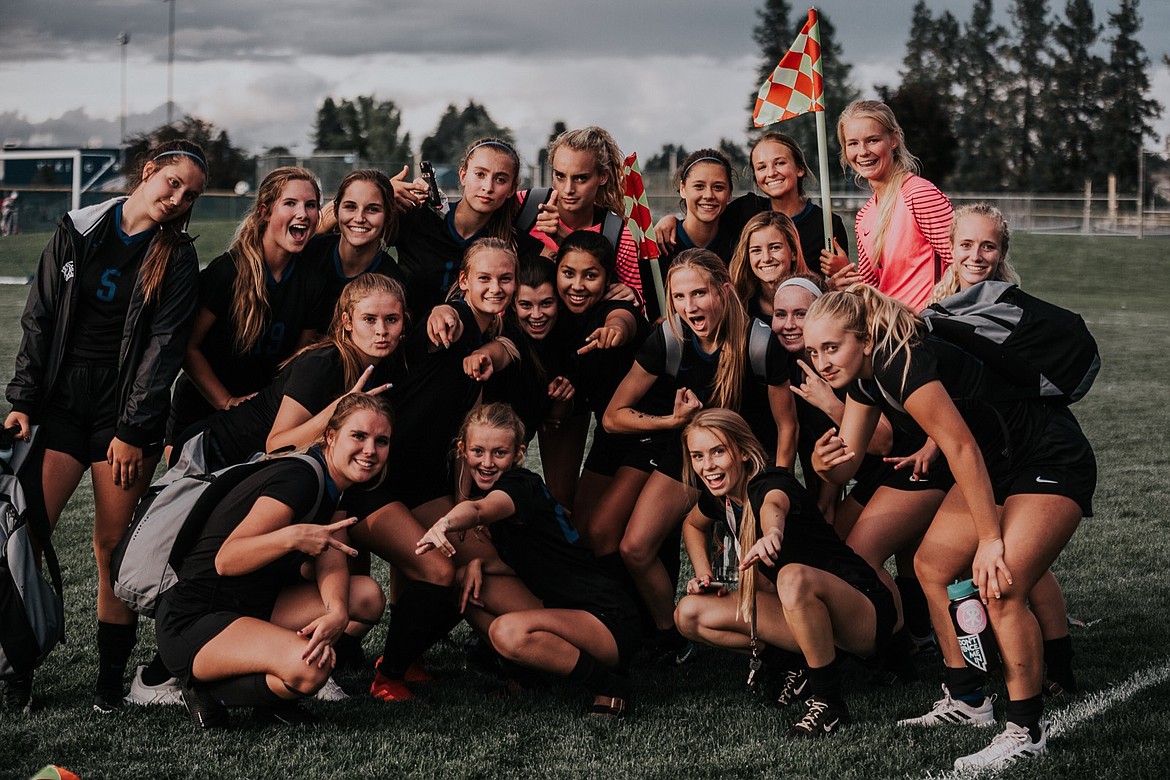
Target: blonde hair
<point x="905" y="163"/>
<point x="747" y="284"/>
<point x="733" y="431"/>
<point x="889" y="325"/>
<point x="497" y="416"/>
<point x="347" y="405"/>
<point x="609" y="162"/>
<point x="478" y="247"/>
<point x="948" y="285"/>
<point x="730" y="333"/>
<point x="173" y="233"/>
<point x="249" y="308"/>
<point x="353" y="362"/>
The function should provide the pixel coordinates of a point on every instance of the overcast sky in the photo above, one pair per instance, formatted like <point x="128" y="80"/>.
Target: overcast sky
<point x="651" y="72"/>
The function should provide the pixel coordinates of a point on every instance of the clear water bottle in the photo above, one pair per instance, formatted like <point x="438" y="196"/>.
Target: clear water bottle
<point x="972" y="626"/>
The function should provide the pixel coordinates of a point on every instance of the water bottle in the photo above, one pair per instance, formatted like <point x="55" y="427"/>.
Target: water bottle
<point x="972" y="627"/>
<point x="7" y="443"/>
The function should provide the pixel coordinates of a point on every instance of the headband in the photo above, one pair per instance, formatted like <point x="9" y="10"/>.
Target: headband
<point x="192" y="155"/>
<point x="804" y="284"/>
<point x="500" y="144"/>
<point x="693" y="163"/>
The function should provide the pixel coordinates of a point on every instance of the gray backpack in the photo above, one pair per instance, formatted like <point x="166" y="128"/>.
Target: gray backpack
<point x="168" y="521"/>
<point x="32" y="612"/>
<point x="759" y="335"/>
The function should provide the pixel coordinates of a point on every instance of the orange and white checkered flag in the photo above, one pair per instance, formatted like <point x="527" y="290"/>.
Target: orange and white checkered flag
<point x="637" y="208"/>
<point x="796" y="86"/>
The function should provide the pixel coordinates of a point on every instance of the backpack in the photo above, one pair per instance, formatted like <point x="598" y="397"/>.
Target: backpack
<point x="167" y="523"/>
<point x="611" y="223"/>
<point x="32" y="612"/>
<point x="1046" y="351"/>
<point x="759" y="335"/>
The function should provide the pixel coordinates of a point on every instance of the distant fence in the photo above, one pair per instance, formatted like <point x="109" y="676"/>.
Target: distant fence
<point x="41" y="207"/>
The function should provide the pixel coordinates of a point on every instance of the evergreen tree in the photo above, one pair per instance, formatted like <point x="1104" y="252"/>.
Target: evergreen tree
<point x="1128" y="109"/>
<point x="1068" y="152"/>
<point x="457" y="129"/>
<point x="328" y="135"/>
<point x="366" y="127"/>
<point x="771" y="35"/>
<point x="542" y="156"/>
<point x="669" y="157"/>
<point x="1030" y="54"/>
<point x="982" y="154"/>
<point x="226" y="164"/>
<point x="927" y="126"/>
<point x="738" y="156"/>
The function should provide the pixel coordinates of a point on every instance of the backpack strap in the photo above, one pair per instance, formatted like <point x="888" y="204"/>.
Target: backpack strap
<point x="611" y="228"/>
<point x="759" y="337"/>
<point x="319" y="470"/>
<point x="530" y="209"/>
<point x="670" y="330"/>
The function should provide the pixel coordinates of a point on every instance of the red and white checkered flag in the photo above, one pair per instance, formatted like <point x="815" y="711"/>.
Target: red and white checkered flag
<point x="637" y="208"/>
<point x="796" y="86"/>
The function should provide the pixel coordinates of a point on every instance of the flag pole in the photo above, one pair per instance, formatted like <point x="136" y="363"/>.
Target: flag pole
<point x="826" y="200"/>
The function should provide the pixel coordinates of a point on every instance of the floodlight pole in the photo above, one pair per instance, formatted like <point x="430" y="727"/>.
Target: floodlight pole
<point x="171" y="64"/>
<point x="123" y="41"/>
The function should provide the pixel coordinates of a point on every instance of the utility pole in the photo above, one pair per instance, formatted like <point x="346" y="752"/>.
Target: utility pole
<point x="123" y="41"/>
<point x="171" y="65"/>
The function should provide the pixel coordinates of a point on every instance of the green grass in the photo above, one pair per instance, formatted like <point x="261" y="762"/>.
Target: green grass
<point x="695" y="721"/>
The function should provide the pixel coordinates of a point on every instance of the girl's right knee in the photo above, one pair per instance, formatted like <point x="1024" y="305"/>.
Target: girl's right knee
<point x="687" y="615"/>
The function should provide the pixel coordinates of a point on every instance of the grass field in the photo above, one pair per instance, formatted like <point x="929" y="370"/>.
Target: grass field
<point x="695" y="721"/>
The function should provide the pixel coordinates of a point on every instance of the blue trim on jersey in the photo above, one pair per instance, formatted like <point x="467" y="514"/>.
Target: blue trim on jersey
<point x="373" y="268"/>
<point x="686" y="242"/>
<point x="128" y="239"/>
<point x="331" y="488"/>
<point x="804" y="212"/>
<point x="271" y="281"/>
<point x="706" y="357"/>
<point x="567" y="530"/>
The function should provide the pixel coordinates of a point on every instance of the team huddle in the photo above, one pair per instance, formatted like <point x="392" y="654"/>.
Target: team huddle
<point x="357" y="403"/>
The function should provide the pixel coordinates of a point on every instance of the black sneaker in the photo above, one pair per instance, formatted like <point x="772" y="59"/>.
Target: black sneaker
<point x="793" y="689"/>
<point x="823" y="719"/>
<point x="107" y="699"/>
<point x="206" y="712"/>
<point x="16" y="693"/>
<point x="289" y="714"/>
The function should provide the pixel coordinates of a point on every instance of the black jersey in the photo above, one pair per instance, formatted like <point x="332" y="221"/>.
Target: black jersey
<point x="430" y="396"/>
<point x="314" y="379"/>
<point x="597" y="374"/>
<point x="201" y="589"/>
<point x="430" y="253"/>
<point x="696" y="371"/>
<point x="323" y="253"/>
<point x="107" y="284"/>
<point x="539" y="542"/>
<point x="524" y="383"/>
<point x="810" y="224"/>
<point x="296" y="303"/>
<point x="808" y="539"/>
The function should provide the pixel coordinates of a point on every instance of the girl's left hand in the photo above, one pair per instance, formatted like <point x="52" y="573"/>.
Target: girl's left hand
<point x="409" y="194"/>
<point x="472" y="584"/>
<point x="919" y="462"/>
<point x="988" y="567"/>
<point x="766" y="550"/>
<point x="125" y="463"/>
<point x="602" y="338"/>
<point x="686" y="404"/>
<point x="561" y="389"/>
<point x="322" y="633"/>
<point x="444" y="326"/>
<point x="478" y="366"/>
<point x="621" y="292"/>
<point x="832" y="262"/>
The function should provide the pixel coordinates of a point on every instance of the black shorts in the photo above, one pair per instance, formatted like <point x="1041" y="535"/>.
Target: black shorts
<point x="608" y="452"/>
<point x="181" y="636"/>
<point x="886" y="612"/>
<point x="627" y="634"/>
<point x="82" y="418"/>
<point x="1058" y="462"/>
<point x="661" y="452"/>
<point x="875" y="473"/>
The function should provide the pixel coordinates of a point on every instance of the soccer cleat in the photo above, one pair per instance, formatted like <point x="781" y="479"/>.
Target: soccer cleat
<point x="686" y="654"/>
<point x="794" y="688"/>
<point x="388" y="690"/>
<point x="17" y="693"/>
<point x="416" y="673"/>
<point x="287" y="714"/>
<point x="144" y="695"/>
<point x="206" y="711"/>
<point x="331" y="691"/>
<point x="1009" y="746"/>
<point x="107" y="700"/>
<point x="823" y="719"/>
<point x="947" y="711"/>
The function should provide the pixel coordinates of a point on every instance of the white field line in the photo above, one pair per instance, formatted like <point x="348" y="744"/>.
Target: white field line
<point x="1068" y="718"/>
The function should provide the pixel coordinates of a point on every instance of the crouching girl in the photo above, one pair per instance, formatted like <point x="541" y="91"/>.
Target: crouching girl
<point x="817" y="595"/>
<point x="265" y="592"/>
<point x="545" y="603"/>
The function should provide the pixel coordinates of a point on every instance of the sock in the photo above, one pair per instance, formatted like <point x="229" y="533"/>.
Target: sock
<point x="825" y="682"/>
<point x="1058" y="655"/>
<point x="780" y="660"/>
<point x="348" y="649"/>
<point x="915" y="612"/>
<point x="966" y="685"/>
<point x="249" y="690"/>
<point x="1026" y="713"/>
<point x="115" y="643"/>
<point x="156" y="672"/>
<point x="669" y="638"/>
<point x="423" y="615"/>
<point x="598" y="680"/>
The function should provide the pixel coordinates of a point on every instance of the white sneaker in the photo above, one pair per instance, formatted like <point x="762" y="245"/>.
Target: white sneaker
<point x="145" y="695"/>
<point x="1007" y="748"/>
<point x="331" y="691"/>
<point x="948" y="711"/>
